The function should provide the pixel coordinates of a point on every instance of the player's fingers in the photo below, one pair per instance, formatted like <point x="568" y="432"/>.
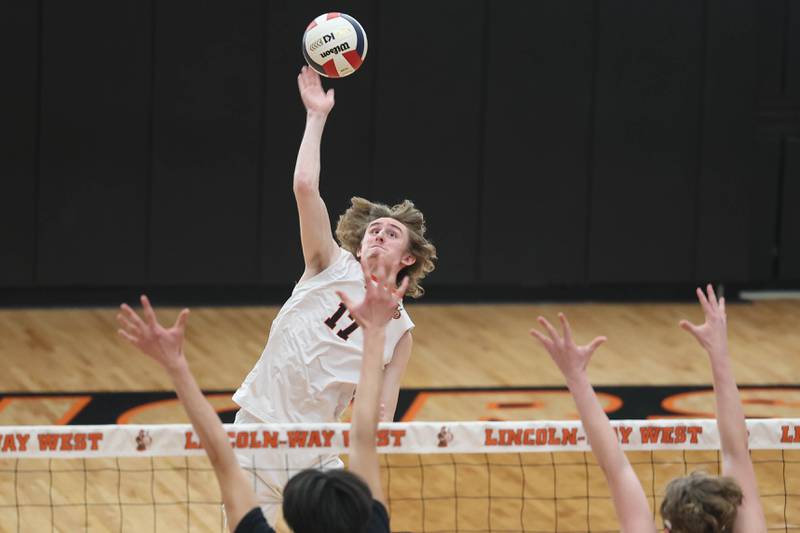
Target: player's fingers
<point x="126" y="324"/>
<point x="369" y="278"/>
<point x="305" y="78"/>
<point x="180" y="322"/>
<point x="390" y="289"/>
<point x="596" y="343"/>
<point x="703" y="300"/>
<point x="387" y="289"/>
<point x="691" y="328"/>
<point x="381" y="283"/>
<point x="722" y="305"/>
<point x="329" y="94"/>
<point x="373" y="285"/>
<point x="401" y="290"/>
<point x="348" y="303"/>
<point x="550" y="329"/>
<point x="546" y="342"/>
<point x="712" y="297"/>
<point x="127" y="336"/>
<point x="132" y="317"/>
<point x="147" y="309"/>
<point x="565" y="327"/>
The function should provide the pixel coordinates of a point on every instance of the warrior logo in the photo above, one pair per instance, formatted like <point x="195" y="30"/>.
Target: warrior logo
<point x="445" y="437"/>
<point x="143" y="440"/>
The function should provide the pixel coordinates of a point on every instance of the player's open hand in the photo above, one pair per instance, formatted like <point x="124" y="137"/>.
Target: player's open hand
<point x="713" y="333"/>
<point x="570" y="358"/>
<point x="315" y="98"/>
<point x="163" y="345"/>
<point x="379" y="305"/>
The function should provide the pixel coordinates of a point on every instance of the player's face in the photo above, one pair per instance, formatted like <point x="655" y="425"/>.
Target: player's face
<point x="386" y="240"/>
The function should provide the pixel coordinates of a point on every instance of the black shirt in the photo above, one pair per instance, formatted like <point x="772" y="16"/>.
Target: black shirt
<point x="254" y="521"/>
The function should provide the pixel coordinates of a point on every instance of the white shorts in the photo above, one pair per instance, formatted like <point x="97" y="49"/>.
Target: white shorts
<point x="271" y="471"/>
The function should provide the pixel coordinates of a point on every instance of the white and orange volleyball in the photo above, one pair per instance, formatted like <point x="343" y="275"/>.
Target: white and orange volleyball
<point x="335" y="45"/>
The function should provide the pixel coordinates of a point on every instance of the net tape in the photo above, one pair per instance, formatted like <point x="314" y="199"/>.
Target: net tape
<point x="69" y="442"/>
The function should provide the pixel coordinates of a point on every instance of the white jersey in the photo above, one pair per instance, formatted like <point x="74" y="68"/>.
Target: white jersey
<point x="310" y="366"/>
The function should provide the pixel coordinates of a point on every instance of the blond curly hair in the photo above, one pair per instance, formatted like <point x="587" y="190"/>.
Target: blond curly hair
<point x="353" y="224"/>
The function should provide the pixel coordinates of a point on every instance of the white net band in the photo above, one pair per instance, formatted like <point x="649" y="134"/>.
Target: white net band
<point x="68" y="442"/>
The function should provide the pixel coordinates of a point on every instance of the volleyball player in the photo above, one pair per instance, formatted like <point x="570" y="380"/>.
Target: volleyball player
<point x="310" y="365"/>
<point x="697" y="503"/>
<point x="335" y="501"/>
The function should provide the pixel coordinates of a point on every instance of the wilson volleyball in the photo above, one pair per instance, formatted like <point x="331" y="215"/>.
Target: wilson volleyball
<point x="334" y="45"/>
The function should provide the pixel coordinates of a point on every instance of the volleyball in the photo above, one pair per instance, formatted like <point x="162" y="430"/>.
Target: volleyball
<point x="335" y="45"/>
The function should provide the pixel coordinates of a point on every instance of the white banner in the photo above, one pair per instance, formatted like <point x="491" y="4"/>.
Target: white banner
<point x="413" y="437"/>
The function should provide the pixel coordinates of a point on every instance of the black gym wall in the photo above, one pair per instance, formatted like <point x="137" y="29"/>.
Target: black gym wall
<point x="560" y="144"/>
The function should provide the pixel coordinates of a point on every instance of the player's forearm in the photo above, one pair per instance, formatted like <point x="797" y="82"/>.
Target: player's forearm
<point x="627" y="495"/>
<point x="391" y="391"/>
<point x="368" y="392"/>
<point x="236" y="490"/>
<point x="307" y="167"/>
<point x="602" y="437"/>
<point x="730" y="414"/>
<point x="202" y="416"/>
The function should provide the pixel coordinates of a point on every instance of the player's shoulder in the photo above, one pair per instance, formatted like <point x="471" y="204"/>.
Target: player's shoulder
<point x="345" y="259"/>
<point x="344" y="265"/>
<point x="254" y="522"/>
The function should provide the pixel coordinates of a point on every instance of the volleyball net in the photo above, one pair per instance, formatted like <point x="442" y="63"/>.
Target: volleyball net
<point x="534" y="477"/>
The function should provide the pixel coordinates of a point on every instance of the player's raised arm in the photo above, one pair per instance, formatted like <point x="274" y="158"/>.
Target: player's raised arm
<point x="736" y="463"/>
<point x="630" y="502"/>
<point x="319" y="247"/>
<point x="372" y="315"/>
<point x="165" y="346"/>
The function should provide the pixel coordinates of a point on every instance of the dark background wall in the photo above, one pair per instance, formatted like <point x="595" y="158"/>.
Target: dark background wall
<point x="558" y="145"/>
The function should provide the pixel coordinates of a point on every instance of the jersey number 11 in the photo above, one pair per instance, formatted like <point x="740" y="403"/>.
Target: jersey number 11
<point x="334" y="318"/>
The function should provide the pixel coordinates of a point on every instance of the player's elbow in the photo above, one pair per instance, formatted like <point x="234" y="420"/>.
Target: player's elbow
<point x="304" y="185"/>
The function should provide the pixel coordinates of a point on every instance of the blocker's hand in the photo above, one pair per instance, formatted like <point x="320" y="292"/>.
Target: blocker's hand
<point x="314" y="97"/>
<point x="713" y="333"/>
<point x="379" y="304"/>
<point x="570" y="358"/>
<point x="163" y="345"/>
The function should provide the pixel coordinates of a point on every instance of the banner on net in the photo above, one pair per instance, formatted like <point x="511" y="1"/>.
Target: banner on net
<point x="411" y="437"/>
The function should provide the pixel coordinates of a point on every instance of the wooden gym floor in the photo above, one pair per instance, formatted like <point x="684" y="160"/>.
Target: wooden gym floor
<point x="66" y="350"/>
